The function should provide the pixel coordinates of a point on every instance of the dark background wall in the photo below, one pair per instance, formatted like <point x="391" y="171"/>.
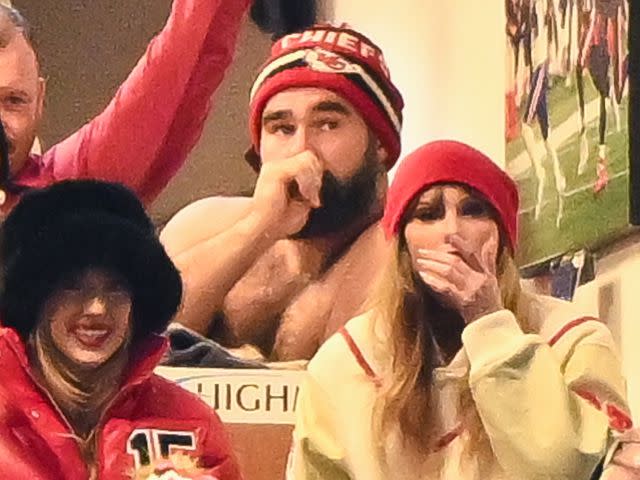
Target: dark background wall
<point x="87" y="48"/>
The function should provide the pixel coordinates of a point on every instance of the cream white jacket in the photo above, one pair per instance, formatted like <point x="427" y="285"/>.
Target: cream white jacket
<point x="543" y="404"/>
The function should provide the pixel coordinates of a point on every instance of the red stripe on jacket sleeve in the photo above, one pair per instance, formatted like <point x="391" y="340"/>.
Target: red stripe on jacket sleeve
<point x="618" y="419"/>
<point x="357" y="353"/>
<point x="569" y="326"/>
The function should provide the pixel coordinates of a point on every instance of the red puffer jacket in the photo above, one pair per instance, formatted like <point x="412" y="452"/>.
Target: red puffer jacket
<point x="148" y="418"/>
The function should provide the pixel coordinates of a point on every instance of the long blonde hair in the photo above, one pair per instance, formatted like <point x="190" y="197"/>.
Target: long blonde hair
<point x="405" y="399"/>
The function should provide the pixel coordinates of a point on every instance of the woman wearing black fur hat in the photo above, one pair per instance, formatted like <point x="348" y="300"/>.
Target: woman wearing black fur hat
<point x="85" y="290"/>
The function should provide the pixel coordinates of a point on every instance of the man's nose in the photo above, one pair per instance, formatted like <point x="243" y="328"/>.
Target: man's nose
<point x="300" y="141"/>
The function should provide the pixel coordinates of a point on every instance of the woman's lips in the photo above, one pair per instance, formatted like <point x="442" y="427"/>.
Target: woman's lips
<point x="92" y="336"/>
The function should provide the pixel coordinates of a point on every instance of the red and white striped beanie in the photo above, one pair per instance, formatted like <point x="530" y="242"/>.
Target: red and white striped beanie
<point x="337" y="59"/>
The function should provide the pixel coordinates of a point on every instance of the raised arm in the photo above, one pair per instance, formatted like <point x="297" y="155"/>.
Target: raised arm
<point x="144" y="135"/>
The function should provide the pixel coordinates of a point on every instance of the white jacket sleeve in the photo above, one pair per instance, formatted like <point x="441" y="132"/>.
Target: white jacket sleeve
<point x="546" y="410"/>
<point x="315" y="453"/>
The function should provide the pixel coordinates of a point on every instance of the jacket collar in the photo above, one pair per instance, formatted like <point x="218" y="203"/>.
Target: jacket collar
<point x="144" y="357"/>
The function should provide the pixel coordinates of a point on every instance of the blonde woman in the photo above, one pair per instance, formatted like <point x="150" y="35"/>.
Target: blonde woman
<point x="455" y="373"/>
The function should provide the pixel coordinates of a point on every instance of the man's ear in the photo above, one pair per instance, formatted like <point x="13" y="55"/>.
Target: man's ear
<point x="42" y="91"/>
<point x="381" y="153"/>
<point x="253" y="158"/>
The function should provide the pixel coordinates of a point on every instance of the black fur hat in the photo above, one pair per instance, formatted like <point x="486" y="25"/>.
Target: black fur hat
<point x="63" y="229"/>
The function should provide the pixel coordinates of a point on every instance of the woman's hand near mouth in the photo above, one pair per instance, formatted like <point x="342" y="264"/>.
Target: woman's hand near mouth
<point x="463" y="279"/>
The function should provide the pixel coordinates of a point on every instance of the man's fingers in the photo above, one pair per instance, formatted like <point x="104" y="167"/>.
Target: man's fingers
<point x="309" y="185"/>
<point x="306" y="171"/>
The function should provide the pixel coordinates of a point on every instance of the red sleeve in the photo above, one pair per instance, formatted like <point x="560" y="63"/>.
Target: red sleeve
<point x="144" y="135"/>
<point x="217" y="454"/>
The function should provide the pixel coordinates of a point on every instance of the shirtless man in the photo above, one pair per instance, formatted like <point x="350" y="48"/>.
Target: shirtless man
<point x="286" y="268"/>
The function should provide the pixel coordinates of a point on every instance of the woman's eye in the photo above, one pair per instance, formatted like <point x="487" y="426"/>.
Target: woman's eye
<point x="474" y="208"/>
<point x="428" y="213"/>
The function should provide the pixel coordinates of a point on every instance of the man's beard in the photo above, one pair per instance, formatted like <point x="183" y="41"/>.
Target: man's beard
<point x="344" y="203"/>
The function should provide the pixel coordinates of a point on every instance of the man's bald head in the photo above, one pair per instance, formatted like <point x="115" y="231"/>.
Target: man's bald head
<point x="12" y="23"/>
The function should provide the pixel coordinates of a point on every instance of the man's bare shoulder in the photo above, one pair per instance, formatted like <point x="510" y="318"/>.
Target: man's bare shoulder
<point x="367" y="251"/>
<point x="201" y="220"/>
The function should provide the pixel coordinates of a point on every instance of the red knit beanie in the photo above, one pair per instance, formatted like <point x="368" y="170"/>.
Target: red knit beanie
<point x="337" y="59"/>
<point x="448" y="161"/>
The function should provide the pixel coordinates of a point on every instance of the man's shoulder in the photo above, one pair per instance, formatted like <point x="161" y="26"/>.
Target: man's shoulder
<point x="202" y="219"/>
<point x="370" y="243"/>
<point x="212" y="208"/>
<point x="372" y="239"/>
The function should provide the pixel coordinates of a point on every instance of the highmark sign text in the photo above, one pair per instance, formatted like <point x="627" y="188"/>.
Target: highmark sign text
<point x="242" y="396"/>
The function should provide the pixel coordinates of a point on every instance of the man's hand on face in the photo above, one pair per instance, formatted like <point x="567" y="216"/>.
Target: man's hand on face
<point x="286" y="192"/>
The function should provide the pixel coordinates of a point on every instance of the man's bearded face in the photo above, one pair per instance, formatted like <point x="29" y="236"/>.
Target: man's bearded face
<point x="344" y="202"/>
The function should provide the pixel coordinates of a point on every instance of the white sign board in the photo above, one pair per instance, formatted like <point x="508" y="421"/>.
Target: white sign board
<point x="242" y="395"/>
